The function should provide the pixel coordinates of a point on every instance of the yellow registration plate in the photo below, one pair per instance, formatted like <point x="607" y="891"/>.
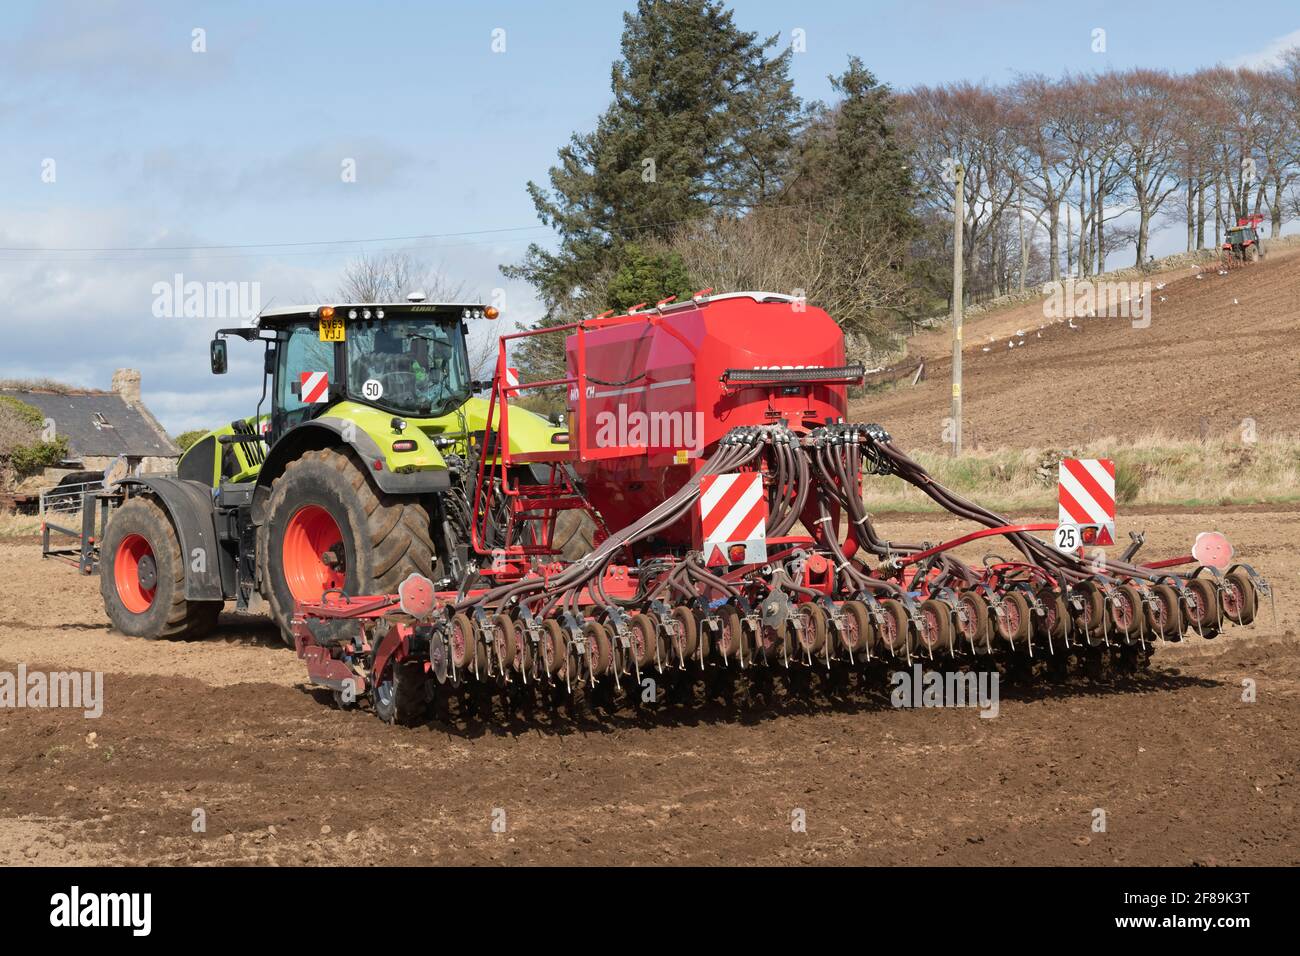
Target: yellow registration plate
<point x="332" y="330"/>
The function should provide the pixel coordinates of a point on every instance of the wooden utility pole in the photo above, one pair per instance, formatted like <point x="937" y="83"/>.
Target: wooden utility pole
<point x="959" y="214"/>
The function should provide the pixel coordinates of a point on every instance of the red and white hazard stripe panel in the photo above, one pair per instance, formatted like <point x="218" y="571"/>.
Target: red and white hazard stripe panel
<point x="1086" y="497"/>
<point x="315" y="387"/>
<point x="733" y="516"/>
<point x="512" y="377"/>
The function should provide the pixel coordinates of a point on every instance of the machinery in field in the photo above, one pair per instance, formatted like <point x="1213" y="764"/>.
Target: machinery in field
<point x="355" y="476"/>
<point x="1243" y="243"/>
<point x="710" y="436"/>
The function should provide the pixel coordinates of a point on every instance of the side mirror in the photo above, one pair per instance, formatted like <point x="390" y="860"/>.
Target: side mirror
<point x="217" y="352"/>
<point x="268" y="360"/>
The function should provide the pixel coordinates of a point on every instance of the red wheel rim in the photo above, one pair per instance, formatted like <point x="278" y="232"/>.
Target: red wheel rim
<point x="849" y="632"/>
<point x="1122" y="612"/>
<point x="889" y="631"/>
<point x="930" y="627"/>
<point x="1200" y="608"/>
<point x="1011" y="618"/>
<point x="807" y="637"/>
<point x="311" y="532"/>
<point x="1049" y="618"/>
<point x="135" y="597"/>
<point x="966" y="620"/>
<point x="1233" y="601"/>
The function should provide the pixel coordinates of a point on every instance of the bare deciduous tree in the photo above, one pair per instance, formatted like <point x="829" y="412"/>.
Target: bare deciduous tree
<point x="834" y="260"/>
<point x="392" y="276"/>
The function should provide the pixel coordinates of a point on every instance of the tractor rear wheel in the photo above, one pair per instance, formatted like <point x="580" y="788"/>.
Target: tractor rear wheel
<point x="142" y="577"/>
<point x="327" y="527"/>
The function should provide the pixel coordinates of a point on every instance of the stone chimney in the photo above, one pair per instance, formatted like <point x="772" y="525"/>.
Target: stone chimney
<point x="126" y="382"/>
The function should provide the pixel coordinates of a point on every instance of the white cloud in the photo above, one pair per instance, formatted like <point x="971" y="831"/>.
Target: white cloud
<point x="76" y="317"/>
<point x="1271" y="55"/>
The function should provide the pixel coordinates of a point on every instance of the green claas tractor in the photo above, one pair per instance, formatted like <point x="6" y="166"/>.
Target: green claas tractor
<point x="356" y="474"/>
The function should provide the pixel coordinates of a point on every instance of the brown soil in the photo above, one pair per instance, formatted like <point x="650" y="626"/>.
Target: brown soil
<point x="1220" y="349"/>
<point x="1185" y="770"/>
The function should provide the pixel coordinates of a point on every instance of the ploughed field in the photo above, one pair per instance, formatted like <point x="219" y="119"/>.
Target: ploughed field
<point x="1219" y="350"/>
<point x="1184" y="769"/>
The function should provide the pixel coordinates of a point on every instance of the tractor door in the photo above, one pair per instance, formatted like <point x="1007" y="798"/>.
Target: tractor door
<point x="305" y="374"/>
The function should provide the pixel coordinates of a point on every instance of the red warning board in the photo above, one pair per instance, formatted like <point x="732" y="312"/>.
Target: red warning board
<point x="315" y="387"/>
<point x="1085" y="503"/>
<point x="733" y="518"/>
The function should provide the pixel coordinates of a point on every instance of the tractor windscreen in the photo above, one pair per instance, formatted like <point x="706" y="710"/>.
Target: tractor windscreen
<point x="416" y="366"/>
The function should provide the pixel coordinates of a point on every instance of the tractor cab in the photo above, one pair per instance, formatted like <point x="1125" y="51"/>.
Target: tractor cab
<point x="368" y="364"/>
<point x="406" y="359"/>
<point x="1239" y="236"/>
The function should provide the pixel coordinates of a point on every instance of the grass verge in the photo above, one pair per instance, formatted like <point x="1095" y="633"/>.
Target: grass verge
<point x="1156" y="470"/>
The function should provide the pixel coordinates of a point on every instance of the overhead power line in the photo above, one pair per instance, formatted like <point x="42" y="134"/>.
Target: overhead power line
<point x="319" y="246"/>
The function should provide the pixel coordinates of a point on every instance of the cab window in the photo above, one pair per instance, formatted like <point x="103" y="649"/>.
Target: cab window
<point x="303" y="352"/>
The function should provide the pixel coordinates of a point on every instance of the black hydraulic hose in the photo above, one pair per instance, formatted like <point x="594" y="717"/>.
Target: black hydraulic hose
<point x="1037" y="551"/>
<point x="730" y="456"/>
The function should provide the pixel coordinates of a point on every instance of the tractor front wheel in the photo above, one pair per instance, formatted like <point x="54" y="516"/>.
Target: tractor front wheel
<point x="142" y="577"/>
<point x="327" y="527"/>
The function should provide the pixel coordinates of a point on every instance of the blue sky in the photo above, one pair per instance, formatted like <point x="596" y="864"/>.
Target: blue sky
<point x="156" y="146"/>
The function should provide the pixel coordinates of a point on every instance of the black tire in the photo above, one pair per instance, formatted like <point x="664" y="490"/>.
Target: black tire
<point x="139" y="528"/>
<point x="1090" y="621"/>
<point x="402" y="697"/>
<point x="732" y="642"/>
<point x="384" y="537"/>
<point x="685" y="638"/>
<point x="857" y="635"/>
<point x="1127" y="614"/>
<point x="555" y="648"/>
<point x="974" y="624"/>
<point x="1204" y="613"/>
<point x="936" y="627"/>
<point x="894" y="636"/>
<point x="645" y="640"/>
<point x="1241" y="601"/>
<point x="812" y="638"/>
<point x="1013" y="624"/>
<point x="1167" y="619"/>
<point x="600" y="648"/>
<point x="1053" y="622"/>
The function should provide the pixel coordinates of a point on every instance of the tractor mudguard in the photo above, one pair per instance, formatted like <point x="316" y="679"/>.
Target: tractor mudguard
<point x="189" y="506"/>
<point x="330" y="431"/>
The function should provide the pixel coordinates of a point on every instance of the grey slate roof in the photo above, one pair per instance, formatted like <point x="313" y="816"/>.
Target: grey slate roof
<point x="99" y="423"/>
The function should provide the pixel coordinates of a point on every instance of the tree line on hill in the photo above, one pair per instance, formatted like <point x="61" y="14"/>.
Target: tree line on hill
<point x="707" y="169"/>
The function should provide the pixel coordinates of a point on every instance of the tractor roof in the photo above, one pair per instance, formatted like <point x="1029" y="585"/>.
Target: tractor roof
<point x="377" y="310"/>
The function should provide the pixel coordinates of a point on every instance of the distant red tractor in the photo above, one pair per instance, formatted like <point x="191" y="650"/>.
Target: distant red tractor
<point x="1243" y="242"/>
